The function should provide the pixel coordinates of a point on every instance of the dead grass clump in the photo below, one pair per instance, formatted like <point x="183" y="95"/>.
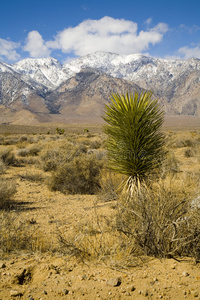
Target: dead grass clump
<point x="9" y="141"/>
<point x="170" y="165"/>
<point x="3" y="167"/>
<point x="81" y="175"/>
<point x="52" y="158"/>
<point x="18" y="234"/>
<point x="8" y="157"/>
<point x="110" y="186"/>
<point x="31" y="151"/>
<point x="7" y="190"/>
<point x="190" y="152"/>
<point x="98" y="240"/>
<point x="30" y="160"/>
<point x="23" y="138"/>
<point x="159" y="219"/>
<point x="23" y="152"/>
<point x="62" y="153"/>
<point x="32" y="176"/>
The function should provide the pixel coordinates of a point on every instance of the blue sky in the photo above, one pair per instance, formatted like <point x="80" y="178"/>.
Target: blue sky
<point x="65" y="29"/>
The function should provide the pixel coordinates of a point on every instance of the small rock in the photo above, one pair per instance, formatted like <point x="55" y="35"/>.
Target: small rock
<point x="133" y="288"/>
<point x="45" y="292"/>
<point x="65" y="291"/>
<point x="145" y="293"/>
<point x="15" y="293"/>
<point x="2" y="265"/>
<point x="184" y="292"/>
<point x="31" y="298"/>
<point x="185" y="273"/>
<point x="195" y="293"/>
<point x="114" y="282"/>
<point x="127" y="294"/>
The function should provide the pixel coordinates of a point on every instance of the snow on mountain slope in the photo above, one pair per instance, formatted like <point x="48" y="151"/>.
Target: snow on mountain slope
<point x="45" y="71"/>
<point x="175" y="82"/>
<point x="135" y="67"/>
<point x="5" y="68"/>
<point x="150" y="73"/>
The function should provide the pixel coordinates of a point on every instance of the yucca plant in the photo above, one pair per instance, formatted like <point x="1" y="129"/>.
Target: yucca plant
<point x="134" y="139"/>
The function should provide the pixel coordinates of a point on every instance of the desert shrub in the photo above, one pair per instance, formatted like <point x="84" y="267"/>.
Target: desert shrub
<point x="30" y="160"/>
<point x="190" y="152"/>
<point x="95" y="144"/>
<point x="60" y="131"/>
<point x="23" y="138"/>
<point x="1" y="140"/>
<point x="34" y="150"/>
<point x="160" y="221"/>
<point x="53" y="158"/>
<point x="169" y="165"/>
<point x="3" y="167"/>
<point x="81" y="175"/>
<point x="98" y="240"/>
<point x="10" y="141"/>
<point x="19" y="234"/>
<point x="8" y="157"/>
<point x="23" y="152"/>
<point x="110" y="186"/>
<point x="188" y="143"/>
<point x="32" y="176"/>
<point x="7" y="190"/>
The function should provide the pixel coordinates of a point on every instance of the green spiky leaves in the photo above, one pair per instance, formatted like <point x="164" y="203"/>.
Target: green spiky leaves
<point x="135" y="142"/>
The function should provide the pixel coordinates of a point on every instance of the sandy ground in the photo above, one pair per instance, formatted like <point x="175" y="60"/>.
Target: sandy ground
<point x="35" y="275"/>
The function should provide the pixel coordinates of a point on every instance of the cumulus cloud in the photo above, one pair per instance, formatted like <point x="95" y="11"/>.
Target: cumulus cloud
<point x="7" y="50"/>
<point x="108" y="35"/>
<point x="35" y="45"/>
<point x="187" y="52"/>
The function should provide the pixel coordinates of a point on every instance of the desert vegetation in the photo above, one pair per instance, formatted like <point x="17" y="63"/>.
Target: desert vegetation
<point x="58" y="196"/>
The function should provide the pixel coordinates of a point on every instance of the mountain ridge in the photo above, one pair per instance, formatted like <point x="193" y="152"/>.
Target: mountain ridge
<point x="45" y="86"/>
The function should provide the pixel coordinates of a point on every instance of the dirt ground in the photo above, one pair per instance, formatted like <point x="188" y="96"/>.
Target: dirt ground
<point x="50" y="275"/>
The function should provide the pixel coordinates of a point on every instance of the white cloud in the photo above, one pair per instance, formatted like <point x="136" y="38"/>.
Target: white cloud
<point x="108" y="35"/>
<point x="148" y="21"/>
<point x="7" y="50"/>
<point x="35" y="45"/>
<point x="187" y="52"/>
<point x="189" y="29"/>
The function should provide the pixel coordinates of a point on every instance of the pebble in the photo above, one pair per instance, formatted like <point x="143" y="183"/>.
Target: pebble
<point x="65" y="291"/>
<point x="185" y="273"/>
<point x="2" y="265"/>
<point x="15" y="293"/>
<point x="195" y="293"/>
<point x="114" y="282"/>
<point x="133" y="288"/>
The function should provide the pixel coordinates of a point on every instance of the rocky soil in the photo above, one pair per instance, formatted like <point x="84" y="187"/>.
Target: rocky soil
<point x="35" y="275"/>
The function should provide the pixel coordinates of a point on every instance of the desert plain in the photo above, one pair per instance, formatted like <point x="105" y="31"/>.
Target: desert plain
<point x="59" y="242"/>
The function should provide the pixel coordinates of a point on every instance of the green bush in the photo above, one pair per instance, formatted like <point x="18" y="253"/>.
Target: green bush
<point x="134" y="138"/>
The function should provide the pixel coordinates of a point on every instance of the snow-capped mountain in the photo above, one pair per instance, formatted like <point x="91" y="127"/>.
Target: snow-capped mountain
<point x="46" y="71"/>
<point x="175" y="82"/>
<point x="45" y="85"/>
